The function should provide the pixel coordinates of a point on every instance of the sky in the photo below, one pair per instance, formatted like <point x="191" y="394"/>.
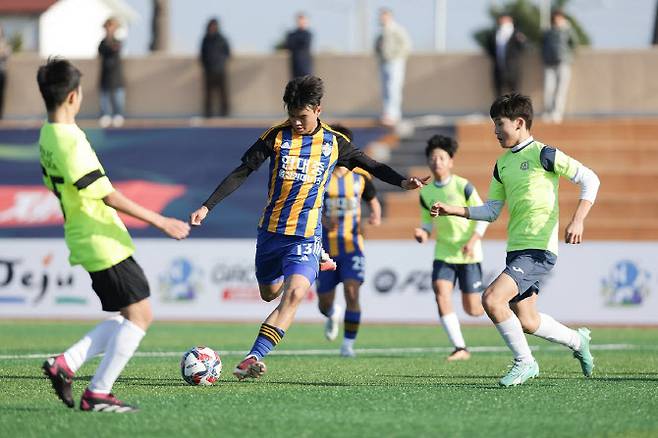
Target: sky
<point x="342" y="25"/>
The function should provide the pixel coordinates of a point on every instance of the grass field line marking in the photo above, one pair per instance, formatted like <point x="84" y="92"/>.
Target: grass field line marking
<point x="364" y="351"/>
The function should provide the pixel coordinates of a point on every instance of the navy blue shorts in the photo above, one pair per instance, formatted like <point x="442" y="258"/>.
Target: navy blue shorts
<point x="349" y="267"/>
<point x="469" y="275"/>
<point x="528" y="267"/>
<point x="279" y="256"/>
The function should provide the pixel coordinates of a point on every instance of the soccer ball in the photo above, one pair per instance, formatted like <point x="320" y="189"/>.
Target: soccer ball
<point x="201" y="366"/>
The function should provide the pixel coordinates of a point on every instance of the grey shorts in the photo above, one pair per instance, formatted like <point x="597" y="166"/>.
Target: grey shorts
<point x="469" y="275"/>
<point x="528" y="267"/>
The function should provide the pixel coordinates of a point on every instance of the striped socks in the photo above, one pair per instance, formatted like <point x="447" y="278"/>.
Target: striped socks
<point x="352" y="320"/>
<point x="268" y="337"/>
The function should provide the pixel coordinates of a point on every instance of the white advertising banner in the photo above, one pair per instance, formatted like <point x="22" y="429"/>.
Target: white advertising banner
<point x="213" y="279"/>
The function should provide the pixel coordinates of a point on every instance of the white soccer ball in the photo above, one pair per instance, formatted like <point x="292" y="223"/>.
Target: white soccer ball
<point x="201" y="366"/>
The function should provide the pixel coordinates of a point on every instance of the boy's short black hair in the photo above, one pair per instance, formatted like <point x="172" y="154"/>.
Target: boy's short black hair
<point x="347" y="132"/>
<point x="513" y="106"/>
<point x="302" y="92"/>
<point x="448" y="144"/>
<point x="56" y="79"/>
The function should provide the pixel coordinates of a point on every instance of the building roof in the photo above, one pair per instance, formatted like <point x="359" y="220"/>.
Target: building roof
<point x="25" y="6"/>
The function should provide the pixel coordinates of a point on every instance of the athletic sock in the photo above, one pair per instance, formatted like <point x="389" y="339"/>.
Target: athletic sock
<point x="351" y="326"/>
<point x="348" y="343"/>
<point x="512" y="333"/>
<point x="268" y="337"/>
<point x="93" y="343"/>
<point x="451" y="325"/>
<point x="554" y="331"/>
<point x="120" y="349"/>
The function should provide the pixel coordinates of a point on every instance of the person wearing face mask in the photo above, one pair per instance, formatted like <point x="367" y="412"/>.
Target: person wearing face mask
<point x="505" y="46"/>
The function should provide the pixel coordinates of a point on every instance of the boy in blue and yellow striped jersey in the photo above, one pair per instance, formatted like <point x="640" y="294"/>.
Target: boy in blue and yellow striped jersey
<point x="527" y="176"/>
<point x="458" y="250"/>
<point x="303" y="152"/>
<point x="341" y="235"/>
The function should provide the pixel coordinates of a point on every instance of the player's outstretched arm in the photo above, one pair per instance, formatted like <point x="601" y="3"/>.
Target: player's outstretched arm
<point x="441" y="209"/>
<point x="225" y="188"/>
<point x="352" y="157"/>
<point x="172" y="227"/>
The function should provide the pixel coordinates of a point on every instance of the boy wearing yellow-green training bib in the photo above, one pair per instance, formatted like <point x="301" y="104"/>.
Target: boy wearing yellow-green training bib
<point x="458" y="250"/>
<point x="97" y="239"/>
<point x="527" y="176"/>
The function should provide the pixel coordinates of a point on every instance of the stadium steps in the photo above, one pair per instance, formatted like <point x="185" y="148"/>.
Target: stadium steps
<point x="624" y="153"/>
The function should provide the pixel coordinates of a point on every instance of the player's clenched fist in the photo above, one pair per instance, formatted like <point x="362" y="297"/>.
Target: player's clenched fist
<point x="199" y="215"/>
<point x="421" y="235"/>
<point x="174" y="228"/>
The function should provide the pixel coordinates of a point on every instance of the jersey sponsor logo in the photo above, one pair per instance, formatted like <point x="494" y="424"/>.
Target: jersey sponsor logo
<point x="517" y="269"/>
<point x="524" y="165"/>
<point x="628" y="284"/>
<point x="301" y="169"/>
<point x="285" y="145"/>
<point x="338" y="207"/>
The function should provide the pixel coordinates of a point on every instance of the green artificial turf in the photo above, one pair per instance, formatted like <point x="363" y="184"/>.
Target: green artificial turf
<point x="390" y="389"/>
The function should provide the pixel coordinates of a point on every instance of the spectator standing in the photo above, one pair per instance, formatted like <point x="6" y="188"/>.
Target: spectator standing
<point x="298" y="43"/>
<point x="215" y="53"/>
<point x="505" y="46"/>
<point x="112" y="92"/>
<point x="5" y="51"/>
<point x="558" y="45"/>
<point x="392" y="48"/>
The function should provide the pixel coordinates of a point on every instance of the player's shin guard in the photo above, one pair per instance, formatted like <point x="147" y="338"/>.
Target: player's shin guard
<point x="119" y="350"/>
<point x="352" y="321"/>
<point x="268" y="337"/>
<point x="553" y="331"/>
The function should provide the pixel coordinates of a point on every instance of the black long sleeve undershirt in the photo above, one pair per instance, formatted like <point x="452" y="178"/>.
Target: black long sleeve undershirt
<point x="228" y="185"/>
<point x="352" y="157"/>
<point x="262" y="149"/>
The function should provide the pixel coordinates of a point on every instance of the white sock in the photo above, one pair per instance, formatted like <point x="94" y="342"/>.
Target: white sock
<point x="119" y="351"/>
<point x="93" y="343"/>
<point x="348" y="343"/>
<point x="454" y="331"/>
<point x="512" y="333"/>
<point x="553" y="331"/>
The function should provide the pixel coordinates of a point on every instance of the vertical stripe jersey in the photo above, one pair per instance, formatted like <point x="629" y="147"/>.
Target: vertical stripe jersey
<point x="342" y="203"/>
<point x="299" y="169"/>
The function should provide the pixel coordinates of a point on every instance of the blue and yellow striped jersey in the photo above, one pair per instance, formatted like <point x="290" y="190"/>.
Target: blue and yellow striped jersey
<point x="342" y="204"/>
<point x="299" y="169"/>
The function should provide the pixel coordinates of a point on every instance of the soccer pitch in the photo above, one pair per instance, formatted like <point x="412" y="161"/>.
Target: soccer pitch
<point x="399" y="385"/>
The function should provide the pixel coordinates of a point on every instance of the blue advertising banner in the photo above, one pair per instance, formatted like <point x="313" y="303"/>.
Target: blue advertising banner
<point x="170" y="170"/>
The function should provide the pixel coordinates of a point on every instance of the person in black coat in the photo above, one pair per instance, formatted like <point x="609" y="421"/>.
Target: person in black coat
<point x="298" y="42"/>
<point x="505" y="46"/>
<point x="215" y="52"/>
<point x="112" y="95"/>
